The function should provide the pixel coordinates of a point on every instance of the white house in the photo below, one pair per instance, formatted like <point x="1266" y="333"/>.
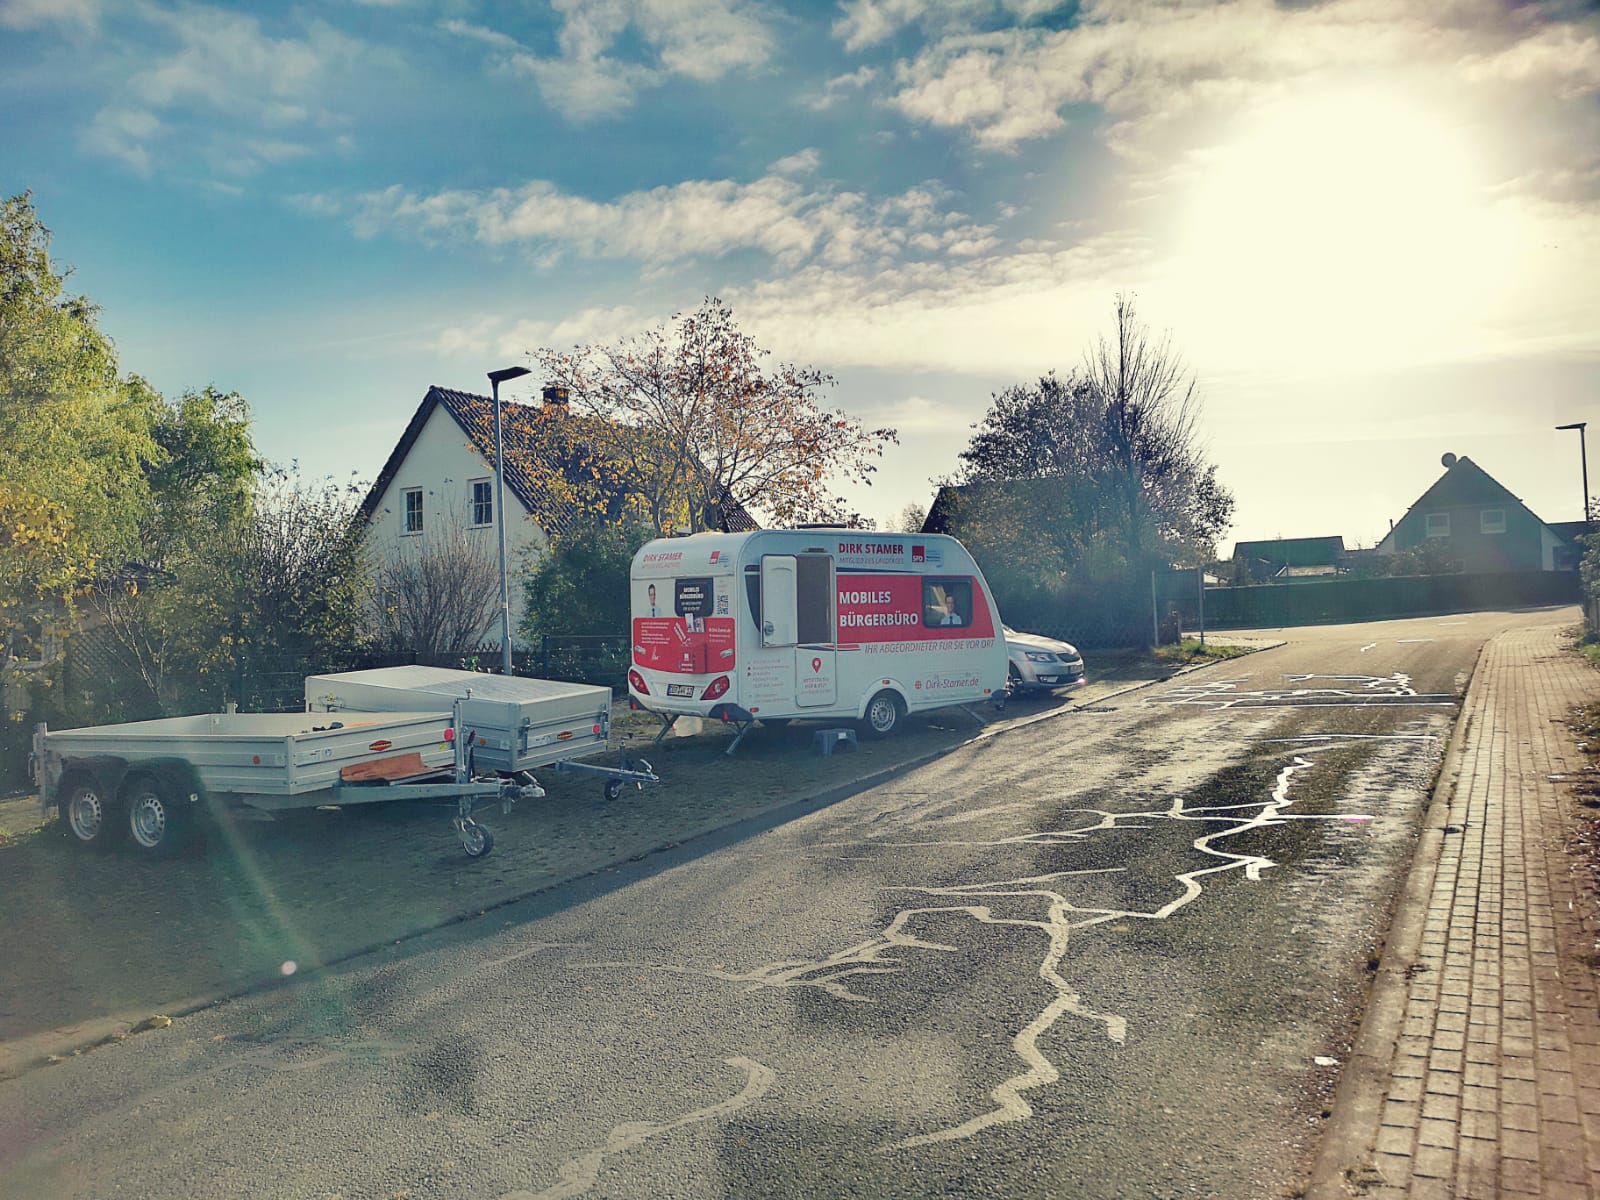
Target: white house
<point x="439" y="483"/>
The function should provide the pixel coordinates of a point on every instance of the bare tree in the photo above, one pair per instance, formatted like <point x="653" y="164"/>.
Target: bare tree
<point x="439" y="594"/>
<point x="1163" y="488"/>
<point x="700" y="420"/>
<point x="912" y="518"/>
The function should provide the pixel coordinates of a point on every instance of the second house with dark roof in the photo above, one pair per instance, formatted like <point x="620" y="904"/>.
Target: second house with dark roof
<point x="1476" y="524"/>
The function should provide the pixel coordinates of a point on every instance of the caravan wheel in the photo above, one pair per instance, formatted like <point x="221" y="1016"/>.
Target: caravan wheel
<point x="884" y="713"/>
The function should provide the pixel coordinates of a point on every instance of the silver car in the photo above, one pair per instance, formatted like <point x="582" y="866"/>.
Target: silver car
<point x="1041" y="663"/>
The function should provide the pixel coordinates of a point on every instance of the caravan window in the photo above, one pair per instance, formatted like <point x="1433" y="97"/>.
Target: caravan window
<point x="752" y="593"/>
<point x="947" y="602"/>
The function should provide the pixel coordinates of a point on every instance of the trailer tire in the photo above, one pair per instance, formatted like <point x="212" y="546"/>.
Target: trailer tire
<point x="85" y="814"/>
<point x="156" y="824"/>
<point x="476" y="840"/>
<point x="884" y="714"/>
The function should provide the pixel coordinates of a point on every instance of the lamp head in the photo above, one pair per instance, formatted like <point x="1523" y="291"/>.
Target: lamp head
<point x="506" y="373"/>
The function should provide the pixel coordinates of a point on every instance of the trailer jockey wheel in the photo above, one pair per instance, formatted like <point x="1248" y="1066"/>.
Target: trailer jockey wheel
<point x="476" y="839"/>
<point x="613" y="789"/>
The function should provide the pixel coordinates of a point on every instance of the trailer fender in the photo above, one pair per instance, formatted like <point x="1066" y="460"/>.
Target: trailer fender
<point x="177" y="775"/>
<point x="106" y="771"/>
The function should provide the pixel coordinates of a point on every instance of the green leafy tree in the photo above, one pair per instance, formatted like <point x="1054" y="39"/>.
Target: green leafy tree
<point x="77" y="438"/>
<point x="581" y="585"/>
<point x="698" y="420"/>
<point x="1099" y="475"/>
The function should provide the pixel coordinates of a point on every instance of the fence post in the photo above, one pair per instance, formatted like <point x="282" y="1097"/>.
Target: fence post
<point x="544" y="655"/>
<point x="1155" y="613"/>
<point x="1200" y="578"/>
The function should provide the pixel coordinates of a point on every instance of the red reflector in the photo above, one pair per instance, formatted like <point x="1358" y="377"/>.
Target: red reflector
<point x="597" y="731"/>
<point x="449" y="735"/>
<point x="564" y="735"/>
<point x="380" y="744"/>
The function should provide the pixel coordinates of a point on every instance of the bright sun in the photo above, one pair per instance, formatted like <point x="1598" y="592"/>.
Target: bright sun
<point x="1348" y="225"/>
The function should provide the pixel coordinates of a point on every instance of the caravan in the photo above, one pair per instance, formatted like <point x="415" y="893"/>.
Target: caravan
<point x="812" y="623"/>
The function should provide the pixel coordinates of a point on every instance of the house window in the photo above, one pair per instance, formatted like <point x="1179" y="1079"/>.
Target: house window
<point x="413" y="510"/>
<point x="1492" y="520"/>
<point x="482" y="503"/>
<point x="1438" y="525"/>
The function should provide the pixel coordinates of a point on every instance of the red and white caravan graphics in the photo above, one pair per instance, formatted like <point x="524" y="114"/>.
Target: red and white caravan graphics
<point x="811" y="623"/>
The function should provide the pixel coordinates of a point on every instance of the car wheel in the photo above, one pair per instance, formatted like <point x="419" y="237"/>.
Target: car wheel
<point x="884" y="712"/>
<point x="86" y="815"/>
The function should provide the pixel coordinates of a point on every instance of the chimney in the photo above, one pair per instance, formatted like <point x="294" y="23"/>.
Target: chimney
<point x="554" y="393"/>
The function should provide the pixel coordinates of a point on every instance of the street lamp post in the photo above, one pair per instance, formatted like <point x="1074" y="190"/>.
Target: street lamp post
<point x="1583" y="454"/>
<point x="496" y="378"/>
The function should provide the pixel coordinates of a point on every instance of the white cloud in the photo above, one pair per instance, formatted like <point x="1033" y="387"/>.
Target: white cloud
<point x="868" y="22"/>
<point x="1561" y="56"/>
<point x="495" y="334"/>
<point x="480" y="33"/>
<point x="840" y="88"/>
<point x="125" y="134"/>
<point x="694" y="220"/>
<point x="224" y="65"/>
<point x="1149" y="63"/>
<point x="802" y="162"/>
<point x="35" y="14"/>
<point x="702" y="40"/>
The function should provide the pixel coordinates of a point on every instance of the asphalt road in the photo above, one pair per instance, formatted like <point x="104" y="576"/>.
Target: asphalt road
<point x="1115" y="953"/>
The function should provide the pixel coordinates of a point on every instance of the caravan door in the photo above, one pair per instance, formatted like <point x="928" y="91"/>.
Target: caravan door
<point x="797" y="609"/>
<point x="815" y="622"/>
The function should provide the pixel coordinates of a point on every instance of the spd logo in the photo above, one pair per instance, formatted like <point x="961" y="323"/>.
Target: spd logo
<point x="919" y="554"/>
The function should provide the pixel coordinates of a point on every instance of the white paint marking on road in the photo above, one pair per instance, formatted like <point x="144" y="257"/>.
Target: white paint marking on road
<point x="1351" y="737"/>
<point x="1369" y="646"/>
<point x="1393" y="689"/>
<point x="835" y="972"/>
<point x="582" y="1173"/>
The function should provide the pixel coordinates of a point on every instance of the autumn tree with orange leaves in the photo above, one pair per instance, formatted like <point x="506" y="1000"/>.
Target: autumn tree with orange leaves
<point x="700" y="421"/>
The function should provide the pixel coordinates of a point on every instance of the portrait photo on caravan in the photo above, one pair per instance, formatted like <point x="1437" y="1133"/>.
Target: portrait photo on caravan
<point x="823" y="624"/>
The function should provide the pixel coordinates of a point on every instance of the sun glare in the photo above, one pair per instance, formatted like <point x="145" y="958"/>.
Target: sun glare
<point x="1349" y="225"/>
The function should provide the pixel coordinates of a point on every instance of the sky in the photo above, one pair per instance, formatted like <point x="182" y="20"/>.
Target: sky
<point x="1371" y="228"/>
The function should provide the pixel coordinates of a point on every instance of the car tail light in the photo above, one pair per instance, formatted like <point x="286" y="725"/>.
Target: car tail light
<point x="636" y="682"/>
<point x="718" y="687"/>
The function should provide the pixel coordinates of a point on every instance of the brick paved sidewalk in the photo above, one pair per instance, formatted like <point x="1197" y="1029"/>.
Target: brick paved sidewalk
<point x="1477" y="1073"/>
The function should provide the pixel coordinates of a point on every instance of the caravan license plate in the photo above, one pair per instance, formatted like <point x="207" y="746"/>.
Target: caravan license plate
<point x="685" y="690"/>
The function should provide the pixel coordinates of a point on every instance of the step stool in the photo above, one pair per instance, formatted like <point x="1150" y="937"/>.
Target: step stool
<point x="829" y="740"/>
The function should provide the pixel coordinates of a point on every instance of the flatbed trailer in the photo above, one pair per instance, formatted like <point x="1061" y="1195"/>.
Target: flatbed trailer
<point x="146" y="783"/>
<point x="512" y="724"/>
